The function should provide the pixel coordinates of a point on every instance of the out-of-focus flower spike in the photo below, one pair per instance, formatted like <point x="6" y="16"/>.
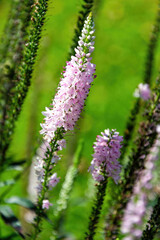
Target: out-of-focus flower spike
<point x="144" y="189"/>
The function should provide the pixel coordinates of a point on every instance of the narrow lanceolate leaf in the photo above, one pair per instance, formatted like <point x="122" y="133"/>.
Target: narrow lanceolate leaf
<point x="18" y="166"/>
<point x="24" y="75"/>
<point x="21" y="201"/>
<point x="7" y="183"/>
<point x="9" y="218"/>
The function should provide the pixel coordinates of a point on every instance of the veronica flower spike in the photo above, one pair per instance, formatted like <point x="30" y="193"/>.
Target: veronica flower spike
<point x="104" y="165"/>
<point x="65" y="111"/>
<point x="106" y="152"/>
<point x="73" y="88"/>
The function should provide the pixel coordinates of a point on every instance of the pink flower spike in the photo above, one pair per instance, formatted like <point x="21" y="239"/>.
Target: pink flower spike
<point x="106" y="152"/>
<point x="46" y="204"/>
<point x="73" y="88"/>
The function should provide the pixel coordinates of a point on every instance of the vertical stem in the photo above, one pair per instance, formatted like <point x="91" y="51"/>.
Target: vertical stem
<point x="39" y="211"/>
<point x="96" y="209"/>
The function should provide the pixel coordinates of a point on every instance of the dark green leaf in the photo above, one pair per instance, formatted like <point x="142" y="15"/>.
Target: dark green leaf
<point x="7" y="183"/>
<point x="21" y="201"/>
<point x="10" y="219"/>
<point x="10" y="237"/>
<point x="16" y="165"/>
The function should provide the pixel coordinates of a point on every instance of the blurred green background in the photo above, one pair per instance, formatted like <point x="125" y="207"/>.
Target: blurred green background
<point x="122" y="33"/>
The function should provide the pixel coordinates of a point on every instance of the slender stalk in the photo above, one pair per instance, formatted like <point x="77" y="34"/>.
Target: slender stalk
<point x="24" y="76"/>
<point x="96" y="209"/>
<point x="39" y="212"/>
<point x="153" y="225"/>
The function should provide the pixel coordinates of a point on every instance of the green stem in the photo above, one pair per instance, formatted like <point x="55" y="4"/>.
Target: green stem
<point x="96" y="209"/>
<point x="47" y="171"/>
<point x="39" y="212"/>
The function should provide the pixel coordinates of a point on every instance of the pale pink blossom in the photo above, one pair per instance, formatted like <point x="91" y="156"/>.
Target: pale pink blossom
<point x="53" y="180"/>
<point x="46" y="204"/>
<point x="143" y="91"/>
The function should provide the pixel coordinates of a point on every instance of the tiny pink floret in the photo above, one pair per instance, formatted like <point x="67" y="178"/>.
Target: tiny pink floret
<point x="143" y="91"/>
<point x="46" y="204"/>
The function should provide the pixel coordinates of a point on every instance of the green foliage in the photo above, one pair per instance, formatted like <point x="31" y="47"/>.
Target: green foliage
<point x="122" y="30"/>
<point x="9" y="218"/>
<point x="7" y="182"/>
<point x="96" y="209"/>
<point x="21" y="201"/>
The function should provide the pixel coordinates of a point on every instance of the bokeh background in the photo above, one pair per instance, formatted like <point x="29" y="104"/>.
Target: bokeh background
<point x="122" y="34"/>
